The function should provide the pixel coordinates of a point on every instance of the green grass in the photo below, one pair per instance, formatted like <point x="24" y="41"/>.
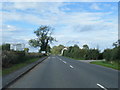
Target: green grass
<point x="18" y="66"/>
<point x="113" y="65"/>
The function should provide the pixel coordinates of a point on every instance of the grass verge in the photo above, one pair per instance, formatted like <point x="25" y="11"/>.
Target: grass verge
<point x="113" y="65"/>
<point x="18" y="66"/>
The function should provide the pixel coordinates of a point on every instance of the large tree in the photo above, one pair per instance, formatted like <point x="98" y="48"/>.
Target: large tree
<point x="57" y="49"/>
<point x="43" y="39"/>
<point x="85" y="47"/>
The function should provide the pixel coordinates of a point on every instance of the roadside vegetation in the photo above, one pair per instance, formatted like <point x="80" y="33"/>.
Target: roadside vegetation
<point x="13" y="60"/>
<point x="56" y="50"/>
<point x="78" y="53"/>
<point x="11" y="57"/>
<point x="111" y="56"/>
<point x="84" y="53"/>
<point x="18" y="66"/>
<point x="113" y="65"/>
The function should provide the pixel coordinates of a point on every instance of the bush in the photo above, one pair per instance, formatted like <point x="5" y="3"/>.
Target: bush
<point x="118" y="52"/>
<point x="112" y="54"/>
<point x="107" y="54"/>
<point x="85" y="53"/>
<point x="92" y="54"/>
<point x="32" y="55"/>
<point x="8" y="58"/>
<point x="5" y="47"/>
<point x="21" y="56"/>
<point x="14" y="57"/>
<point x="100" y="56"/>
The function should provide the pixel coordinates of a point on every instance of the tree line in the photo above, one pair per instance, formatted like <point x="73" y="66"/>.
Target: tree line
<point x="87" y="53"/>
<point x="84" y="53"/>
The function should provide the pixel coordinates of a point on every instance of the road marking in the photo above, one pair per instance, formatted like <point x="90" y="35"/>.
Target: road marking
<point x="60" y="59"/>
<point x="71" y="66"/>
<point x="64" y="62"/>
<point x="101" y="86"/>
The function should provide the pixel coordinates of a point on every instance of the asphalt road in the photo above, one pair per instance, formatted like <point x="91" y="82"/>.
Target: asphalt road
<point x="62" y="72"/>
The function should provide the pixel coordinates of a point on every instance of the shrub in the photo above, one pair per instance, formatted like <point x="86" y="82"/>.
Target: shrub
<point x="14" y="57"/>
<point x="21" y="56"/>
<point x="5" y="47"/>
<point x="8" y="57"/>
<point x="107" y="54"/>
<point x="32" y="55"/>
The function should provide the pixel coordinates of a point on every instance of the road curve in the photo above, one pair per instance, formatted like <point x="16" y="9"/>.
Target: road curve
<point x="62" y="72"/>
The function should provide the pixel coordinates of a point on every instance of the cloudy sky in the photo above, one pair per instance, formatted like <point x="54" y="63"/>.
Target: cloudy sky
<point x="92" y="23"/>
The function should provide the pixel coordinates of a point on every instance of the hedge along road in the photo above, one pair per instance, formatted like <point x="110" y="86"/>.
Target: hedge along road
<point x="61" y="72"/>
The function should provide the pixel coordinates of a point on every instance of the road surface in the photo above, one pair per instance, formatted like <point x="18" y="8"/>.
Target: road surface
<point x="62" y="72"/>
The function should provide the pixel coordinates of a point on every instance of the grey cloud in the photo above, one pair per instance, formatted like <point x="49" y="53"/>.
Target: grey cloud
<point x="93" y="27"/>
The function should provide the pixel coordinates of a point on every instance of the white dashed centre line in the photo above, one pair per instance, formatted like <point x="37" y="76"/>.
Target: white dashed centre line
<point x="71" y="66"/>
<point x="60" y="59"/>
<point x="101" y="86"/>
<point x="64" y="62"/>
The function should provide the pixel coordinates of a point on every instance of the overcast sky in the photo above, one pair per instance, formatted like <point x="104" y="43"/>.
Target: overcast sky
<point x="95" y="24"/>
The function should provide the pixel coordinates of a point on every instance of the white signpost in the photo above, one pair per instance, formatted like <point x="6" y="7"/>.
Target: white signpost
<point x="43" y="52"/>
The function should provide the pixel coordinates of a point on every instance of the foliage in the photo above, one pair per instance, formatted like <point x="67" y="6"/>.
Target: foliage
<point x="9" y="58"/>
<point x="48" y="48"/>
<point x="32" y="55"/>
<point x="85" y="46"/>
<point x="26" y="49"/>
<point x="43" y="39"/>
<point x="5" y="47"/>
<point x="92" y="54"/>
<point x="57" y="49"/>
<point x="84" y="53"/>
<point x="112" y="54"/>
<point x="17" y="66"/>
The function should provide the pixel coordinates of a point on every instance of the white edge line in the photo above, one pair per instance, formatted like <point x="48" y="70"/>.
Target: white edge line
<point x="101" y="86"/>
<point x="71" y="66"/>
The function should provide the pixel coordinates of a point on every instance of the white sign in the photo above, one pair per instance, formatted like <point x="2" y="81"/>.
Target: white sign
<point x="42" y="51"/>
